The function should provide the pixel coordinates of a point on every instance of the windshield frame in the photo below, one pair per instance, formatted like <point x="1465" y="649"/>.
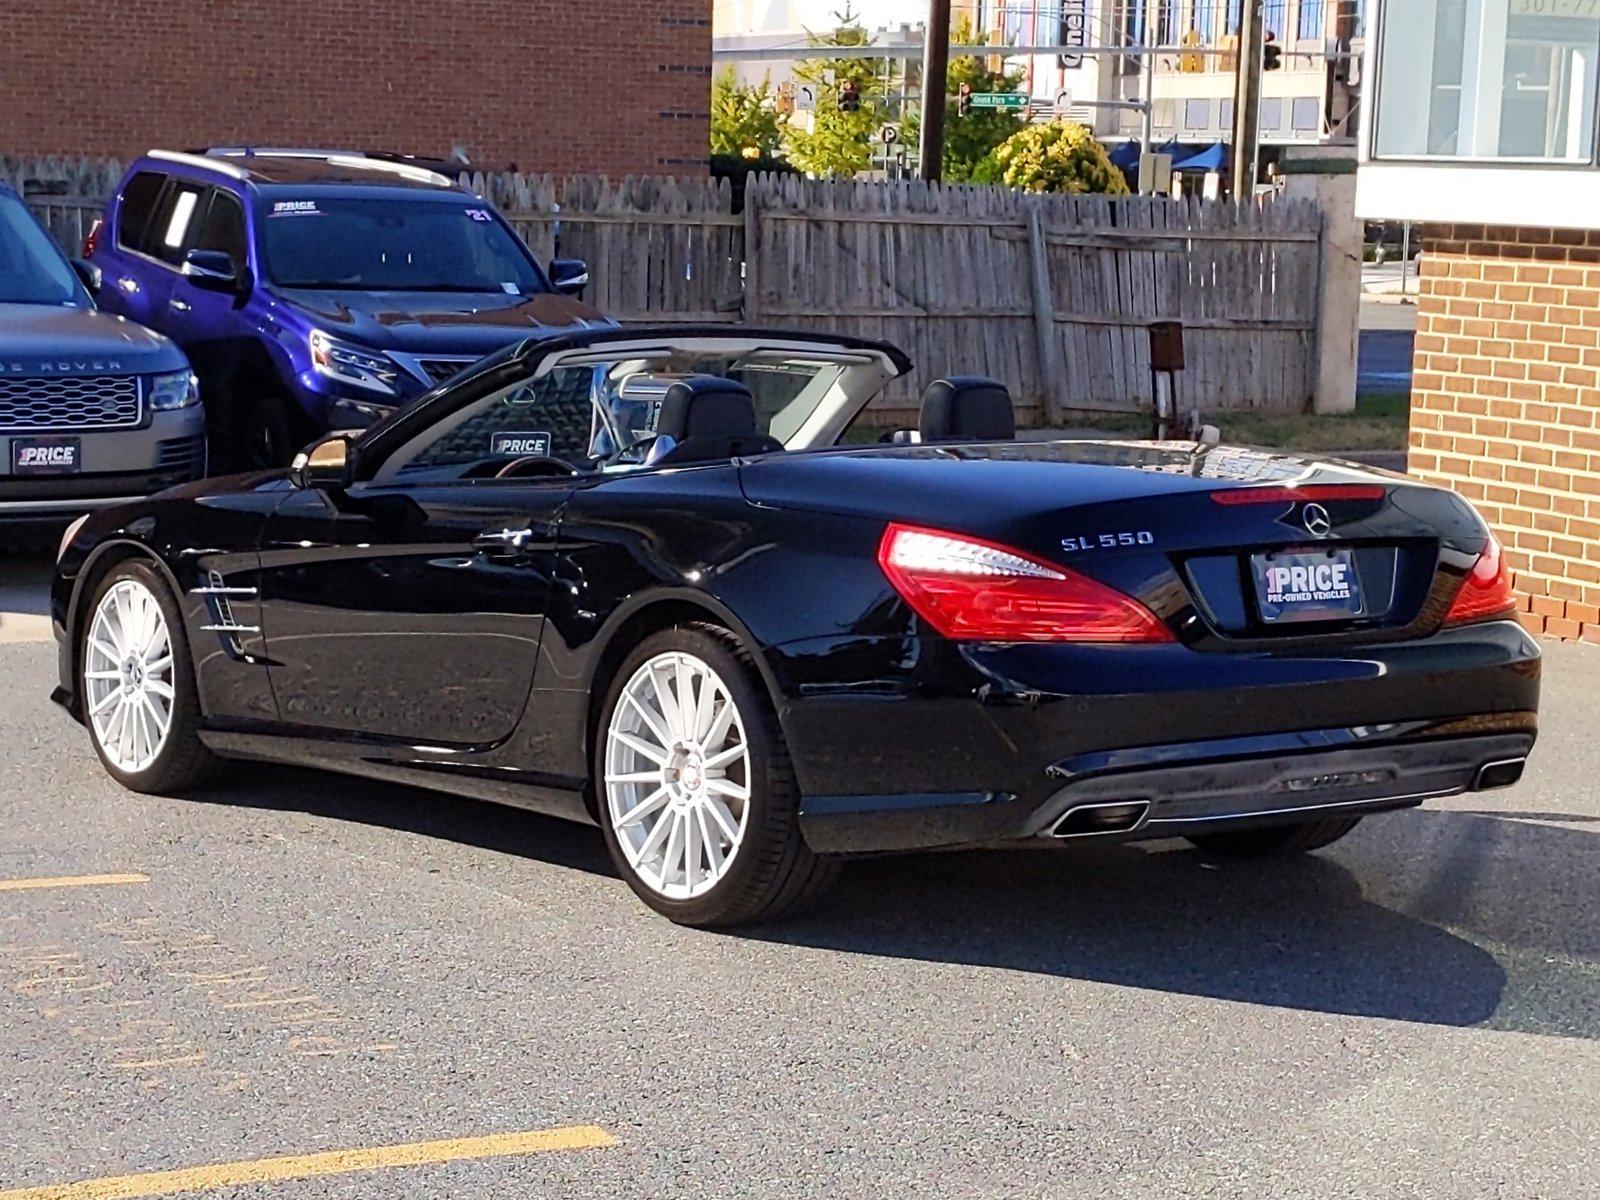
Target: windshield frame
<point x="15" y="211"/>
<point x="265" y="198"/>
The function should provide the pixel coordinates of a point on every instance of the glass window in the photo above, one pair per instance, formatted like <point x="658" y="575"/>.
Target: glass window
<point x="138" y="200"/>
<point x="173" y="224"/>
<point x="223" y="228"/>
<point x="604" y="415"/>
<point x="553" y="417"/>
<point x="32" y="268"/>
<point x="1313" y="17"/>
<point x="322" y="241"/>
<point x="1488" y="79"/>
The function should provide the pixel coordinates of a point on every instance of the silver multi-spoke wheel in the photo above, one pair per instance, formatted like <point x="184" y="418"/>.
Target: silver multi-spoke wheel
<point x="677" y="775"/>
<point x="128" y="676"/>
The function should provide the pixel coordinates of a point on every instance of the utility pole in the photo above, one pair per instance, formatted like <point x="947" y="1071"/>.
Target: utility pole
<point x="1247" y="98"/>
<point x="935" y="72"/>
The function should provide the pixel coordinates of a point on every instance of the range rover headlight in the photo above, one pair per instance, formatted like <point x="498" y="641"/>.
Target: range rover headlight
<point x="352" y="364"/>
<point x="176" y="389"/>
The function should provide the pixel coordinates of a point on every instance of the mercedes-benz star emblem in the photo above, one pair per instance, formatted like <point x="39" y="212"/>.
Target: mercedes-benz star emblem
<point x="1317" y="521"/>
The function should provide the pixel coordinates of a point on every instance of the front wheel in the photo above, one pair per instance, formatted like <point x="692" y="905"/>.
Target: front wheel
<point x="696" y="793"/>
<point x="136" y="685"/>
<point x="259" y="435"/>
<point x="1277" y="841"/>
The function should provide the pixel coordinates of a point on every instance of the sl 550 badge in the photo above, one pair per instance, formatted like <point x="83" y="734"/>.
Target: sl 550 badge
<point x="1108" y="541"/>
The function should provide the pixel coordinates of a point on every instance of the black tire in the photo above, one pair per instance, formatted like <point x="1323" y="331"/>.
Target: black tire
<point x="259" y="434"/>
<point x="183" y="763"/>
<point x="1277" y="841"/>
<point x="773" y="873"/>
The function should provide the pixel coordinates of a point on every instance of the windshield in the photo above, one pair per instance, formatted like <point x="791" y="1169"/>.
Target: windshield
<point x="385" y="245"/>
<point x="32" y="269"/>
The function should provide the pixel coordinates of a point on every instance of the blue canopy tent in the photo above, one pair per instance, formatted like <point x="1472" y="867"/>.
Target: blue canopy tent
<point x="1212" y="158"/>
<point x="1126" y="156"/>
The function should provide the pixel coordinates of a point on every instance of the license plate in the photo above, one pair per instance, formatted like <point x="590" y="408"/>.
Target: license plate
<point x="1312" y="585"/>
<point x="46" y="456"/>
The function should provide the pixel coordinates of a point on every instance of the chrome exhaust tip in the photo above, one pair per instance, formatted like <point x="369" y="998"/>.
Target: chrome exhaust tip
<point x="1499" y="774"/>
<point x="1097" y="820"/>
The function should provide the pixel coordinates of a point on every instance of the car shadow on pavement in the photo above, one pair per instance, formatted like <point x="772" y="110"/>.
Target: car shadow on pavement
<point x="1441" y="917"/>
<point x="405" y="809"/>
<point x="1458" y="920"/>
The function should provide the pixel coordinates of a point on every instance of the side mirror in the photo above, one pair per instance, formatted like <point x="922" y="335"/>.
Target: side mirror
<point x="569" y="276"/>
<point x="90" y="274"/>
<point x="326" y="465"/>
<point x="213" y="270"/>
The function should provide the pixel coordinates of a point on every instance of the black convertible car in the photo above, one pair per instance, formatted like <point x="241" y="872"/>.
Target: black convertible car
<point x="640" y="578"/>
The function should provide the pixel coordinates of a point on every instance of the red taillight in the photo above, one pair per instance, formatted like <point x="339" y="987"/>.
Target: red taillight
<point x="972" y="590"/>
<point x="93" y="239"/>
<point x="1486" y="591"/>
<point x="1296" y="495"/>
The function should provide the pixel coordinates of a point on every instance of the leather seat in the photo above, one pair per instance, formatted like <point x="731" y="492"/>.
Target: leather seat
<point x="705" y="418"/>
<point x="967" y="408"/>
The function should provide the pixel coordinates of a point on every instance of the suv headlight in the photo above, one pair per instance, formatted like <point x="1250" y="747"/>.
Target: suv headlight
<point x="351" y="364"/>
<point x="176" y="389"/>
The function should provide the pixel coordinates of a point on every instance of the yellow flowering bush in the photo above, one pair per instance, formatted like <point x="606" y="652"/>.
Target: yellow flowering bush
<point x="1054" y="157"/>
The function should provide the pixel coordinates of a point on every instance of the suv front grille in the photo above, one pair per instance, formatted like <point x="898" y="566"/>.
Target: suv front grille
<point x="63" y="404"/>
<point x="441" y="369"/>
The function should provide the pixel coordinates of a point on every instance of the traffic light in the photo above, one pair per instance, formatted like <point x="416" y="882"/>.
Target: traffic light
<point x="1274" y="55"/>
<point x="849" y="97"/>
<point x="964" y="99"/>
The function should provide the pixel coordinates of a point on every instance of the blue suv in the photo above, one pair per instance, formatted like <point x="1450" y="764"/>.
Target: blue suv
<point x="317" y="290"/>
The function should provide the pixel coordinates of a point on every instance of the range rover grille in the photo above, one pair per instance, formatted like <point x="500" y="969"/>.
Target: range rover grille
<point x="64" y="403"/>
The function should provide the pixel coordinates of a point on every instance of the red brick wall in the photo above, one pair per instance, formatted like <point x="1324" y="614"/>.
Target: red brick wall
<point x="617" y="86"/>
<point x="1506" y="404"/>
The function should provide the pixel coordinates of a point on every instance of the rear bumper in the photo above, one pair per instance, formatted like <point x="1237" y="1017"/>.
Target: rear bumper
<point x="1172" y="791"/>
<point x="936" y="745"/>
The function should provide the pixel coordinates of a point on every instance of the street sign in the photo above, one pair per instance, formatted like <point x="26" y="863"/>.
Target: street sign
<point x="998" y="100"/>
<point x="889" y="134"/>
<point x="806" y="98"/>
<point x="1063" y="102"/>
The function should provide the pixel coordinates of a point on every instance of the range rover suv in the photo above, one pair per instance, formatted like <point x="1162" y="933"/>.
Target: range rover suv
<point x="316" y="290"/>
<point x="94" y="409"/>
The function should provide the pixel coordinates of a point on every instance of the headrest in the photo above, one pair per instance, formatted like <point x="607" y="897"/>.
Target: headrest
<point x="706" y="406"/>
<point x="967" y="408"/>
<point x="706" y="418"/>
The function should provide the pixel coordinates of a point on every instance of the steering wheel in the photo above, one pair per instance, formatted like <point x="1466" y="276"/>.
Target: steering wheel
<point x="531" y="466"/>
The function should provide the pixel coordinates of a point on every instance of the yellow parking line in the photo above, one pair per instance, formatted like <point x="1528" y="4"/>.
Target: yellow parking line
<point x="307" y="1166"/>
<point x="59" y="881"/>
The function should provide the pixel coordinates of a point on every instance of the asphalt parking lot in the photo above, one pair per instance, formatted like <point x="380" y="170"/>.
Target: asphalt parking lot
<point x="356" y="989"/>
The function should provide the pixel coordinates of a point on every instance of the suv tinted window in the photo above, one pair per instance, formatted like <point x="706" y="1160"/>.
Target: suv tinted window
<point x="174" y="223"/>
<point x="138" y="200"/>
<point x="223" y="227"/>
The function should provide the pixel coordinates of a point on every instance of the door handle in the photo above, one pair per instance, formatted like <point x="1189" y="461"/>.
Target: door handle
<point x="503" y="543"/>
<point x="178" y="305"/>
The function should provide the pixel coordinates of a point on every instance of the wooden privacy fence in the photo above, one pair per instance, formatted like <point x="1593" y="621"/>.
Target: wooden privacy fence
<point x="1051" y="294"/>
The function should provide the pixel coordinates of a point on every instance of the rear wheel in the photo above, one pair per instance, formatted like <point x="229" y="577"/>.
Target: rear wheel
<point x="696" y="792"/>
<point x="136" y="684"/>
<point x="1277" y="841"/>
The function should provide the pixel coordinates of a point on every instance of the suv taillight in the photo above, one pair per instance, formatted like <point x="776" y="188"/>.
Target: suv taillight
<point x="93" y="239"/>
<point x="972" y="590"/>
<point x="1486" y="591"/>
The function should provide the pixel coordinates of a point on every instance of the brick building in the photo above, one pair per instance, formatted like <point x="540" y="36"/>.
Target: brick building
<point x="550" y="85"/>
<point x="1485" y="127"/>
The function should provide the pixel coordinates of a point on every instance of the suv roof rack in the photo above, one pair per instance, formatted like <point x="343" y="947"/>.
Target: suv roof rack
<point x="406" y="166"/>
<point x="198" y="160"/>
